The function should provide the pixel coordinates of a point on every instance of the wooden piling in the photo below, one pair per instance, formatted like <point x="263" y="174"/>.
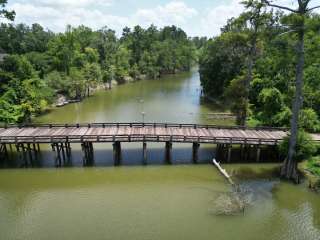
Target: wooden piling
<point x="195" y="152"/>
<point x="63" y="153"/>
<point x="117" y="153"/>
<point x="258" y="153"/>
<point x="3" y="152"/>
<point x="30" y="154"/>
<point x="229" y="153"/>
<point x="144" y="153"/>
<point x="88" y="153"/>
<point x="24" y="154"/>
<point x="168" y="149"/>
<point x="218" y="151"/>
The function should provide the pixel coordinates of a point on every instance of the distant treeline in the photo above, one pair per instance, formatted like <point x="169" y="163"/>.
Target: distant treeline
<point x="37" y="64"/>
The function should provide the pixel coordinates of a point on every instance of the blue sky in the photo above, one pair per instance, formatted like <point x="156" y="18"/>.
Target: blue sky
<point x="196" y="17"/>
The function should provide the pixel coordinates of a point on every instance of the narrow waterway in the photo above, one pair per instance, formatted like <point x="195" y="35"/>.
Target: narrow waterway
<point x="147" y="202"/>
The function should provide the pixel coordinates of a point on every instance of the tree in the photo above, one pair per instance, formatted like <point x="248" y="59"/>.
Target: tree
<point x="92" y="75"/>
<point x="222" y="60"/>
<point x="289" y="168"/>
<point x="255" y="18"/>
<point x="236" y="95"/>
<point x="4" y="13"/>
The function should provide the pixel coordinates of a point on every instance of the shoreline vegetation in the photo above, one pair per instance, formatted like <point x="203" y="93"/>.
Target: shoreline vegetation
<point x="311" y="170"/>
<point x="40" y="68"/>
<point x="266" y="65"/>
<point x="62" y="100"/>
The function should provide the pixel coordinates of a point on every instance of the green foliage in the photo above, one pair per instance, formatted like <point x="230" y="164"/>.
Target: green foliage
<point x="236" y="95"/>
<point x="10" y="15"/>
<point x="309" y="120"/>
<point x="313" y="165"/>
<point x="222" y="60"/>
<point x="19" y="66"/>
<point x="225" y="59"/>
<point x="305" y="148"/>
<point x="40" y="64"/>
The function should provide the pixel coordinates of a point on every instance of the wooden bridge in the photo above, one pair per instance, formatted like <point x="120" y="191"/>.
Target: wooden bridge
<point x="26" y="138"/>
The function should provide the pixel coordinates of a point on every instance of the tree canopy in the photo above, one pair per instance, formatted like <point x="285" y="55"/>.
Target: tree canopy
<point x="41" y="64"/>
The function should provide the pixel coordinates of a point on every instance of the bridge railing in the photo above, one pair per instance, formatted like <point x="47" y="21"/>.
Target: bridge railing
<point x="136" y="138"/>
<point x="138" y="124"/>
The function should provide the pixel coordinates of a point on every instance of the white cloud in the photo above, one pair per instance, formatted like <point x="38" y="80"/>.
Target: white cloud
<point x="56" y="14"/>
<point x="176" y="12"/>
<point x="218" y="16"/>
<point x="56" y="19"/>
<point x="69" y="3"/>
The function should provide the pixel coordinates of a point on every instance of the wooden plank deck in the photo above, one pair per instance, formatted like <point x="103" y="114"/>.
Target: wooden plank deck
<point x="142" y="132"/>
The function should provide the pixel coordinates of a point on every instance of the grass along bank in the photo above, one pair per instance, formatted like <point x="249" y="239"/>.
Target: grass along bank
<point x="311" y="170"/>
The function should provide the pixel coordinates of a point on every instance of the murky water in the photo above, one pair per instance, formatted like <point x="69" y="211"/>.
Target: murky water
<point x="148" y="202"/>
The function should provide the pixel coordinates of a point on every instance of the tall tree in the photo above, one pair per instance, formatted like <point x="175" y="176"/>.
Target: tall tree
<point x="255" y="18"/>
<point x="289" y="168"/>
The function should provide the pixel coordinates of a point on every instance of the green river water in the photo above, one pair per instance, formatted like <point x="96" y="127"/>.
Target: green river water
<point x="156" y="201"/>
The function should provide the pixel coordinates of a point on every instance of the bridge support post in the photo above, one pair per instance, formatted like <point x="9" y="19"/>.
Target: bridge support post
<point x="195" y="151"/>
<point x="258" y="153"/>
<point x="144" y="154"/>
<point x="117" y="153"/>
<point x="229" y="146"/>
<point x="88" y="154"/>
<point x="27" y="153"/>
<point x="246" y="152"/>
<point x="24" y="154"/>
<point x="30" y="154"/>
<point x="219" y="151"/>
<point x="68" y="149"/>
<point x="3" y="151"/>
<point x="56" y="148"/>
<point x="241" y="152"/>
<point x="168" y="153"/>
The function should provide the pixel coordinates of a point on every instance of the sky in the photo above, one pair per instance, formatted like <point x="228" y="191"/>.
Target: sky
<point x="196" y="17"/>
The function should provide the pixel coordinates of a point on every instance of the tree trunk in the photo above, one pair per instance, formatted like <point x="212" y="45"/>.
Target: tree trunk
<point x="247" y="89"/>
<point x="289" y="168"/>
<point x="251" y="63"/>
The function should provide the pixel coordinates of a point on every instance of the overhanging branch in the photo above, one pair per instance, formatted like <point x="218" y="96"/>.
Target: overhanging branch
<point x="280" y="7"/>
<point x="313" y="8"/>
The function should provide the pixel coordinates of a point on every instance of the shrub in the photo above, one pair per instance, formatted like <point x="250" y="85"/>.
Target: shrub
<point x="305" y="148"/>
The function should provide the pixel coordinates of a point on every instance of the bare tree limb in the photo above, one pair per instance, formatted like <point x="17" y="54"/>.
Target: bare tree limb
<point x="281" y="7"/>
<point x="313" y="8"/>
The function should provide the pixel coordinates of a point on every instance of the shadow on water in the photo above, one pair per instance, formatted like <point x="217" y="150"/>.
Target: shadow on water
<point x="103" y="157"/>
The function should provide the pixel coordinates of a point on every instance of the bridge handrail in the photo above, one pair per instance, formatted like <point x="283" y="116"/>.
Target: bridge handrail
<point x="146" y="137"/>
<point x="139" y="124"/>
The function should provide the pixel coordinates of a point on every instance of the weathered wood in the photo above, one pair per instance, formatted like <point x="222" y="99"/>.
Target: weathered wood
<point x="117" y="153"/>
<point x="144" y="153"/>
<point x="195" y="152"/>
<point x="223" y="172"/>
<point x="168" y="148"/>
<point x="258" y="154"/>
<point x="3" y="152"/>
<point x="229" y="146"/>
<point x="88" y="153"/>
<point x="142" y="132"/>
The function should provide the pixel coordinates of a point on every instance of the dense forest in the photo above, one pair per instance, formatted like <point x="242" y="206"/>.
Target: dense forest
<point x="224" y="68"/>
<point x="38" y="65"/>
<point x="266" y="64"/>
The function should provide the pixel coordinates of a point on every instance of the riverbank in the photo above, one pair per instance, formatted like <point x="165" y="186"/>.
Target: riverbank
<point x="62" y="100"/>
<point x="311" y="170"/>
